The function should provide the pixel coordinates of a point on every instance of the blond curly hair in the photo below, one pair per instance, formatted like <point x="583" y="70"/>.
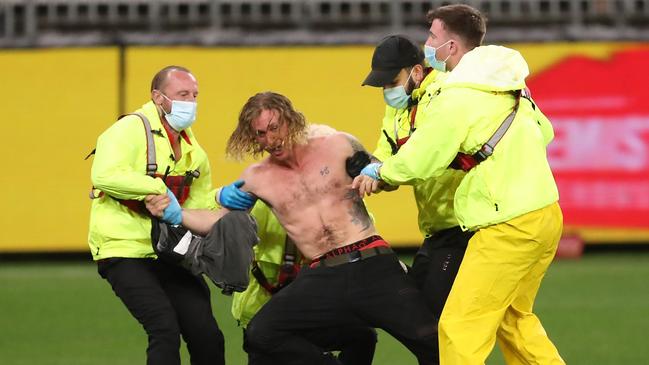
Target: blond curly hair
<point x="243" y="140"/>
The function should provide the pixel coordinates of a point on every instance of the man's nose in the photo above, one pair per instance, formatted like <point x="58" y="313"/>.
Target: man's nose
<point x="271" y="138"/>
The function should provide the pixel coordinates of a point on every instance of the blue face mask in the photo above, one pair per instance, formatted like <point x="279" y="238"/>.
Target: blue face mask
<point x="397" y="97"/>
<point x="182" y="115"/>
<point x="429" y="55"/>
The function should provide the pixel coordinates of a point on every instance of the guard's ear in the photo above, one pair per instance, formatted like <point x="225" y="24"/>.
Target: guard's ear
<point x="157" y="97"/>
<point x="418" y="74"/>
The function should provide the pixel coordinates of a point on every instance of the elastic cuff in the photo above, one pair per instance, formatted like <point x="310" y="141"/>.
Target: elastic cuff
<point x="217" y="194"/>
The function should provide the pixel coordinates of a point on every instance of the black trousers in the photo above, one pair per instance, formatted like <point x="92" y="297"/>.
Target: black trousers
<point x="436" y="264"/>
<point x="372" y="292"/>
<point x="168" y="301"/>
<point x="356" y="346"/>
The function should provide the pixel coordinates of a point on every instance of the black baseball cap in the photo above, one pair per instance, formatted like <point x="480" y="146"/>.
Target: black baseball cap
<point x="390" y="56"/>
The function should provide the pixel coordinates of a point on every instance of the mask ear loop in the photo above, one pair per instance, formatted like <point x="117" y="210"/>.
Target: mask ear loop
<point x="405" y="84"/>
<point x="449" y="50"/>
<point x="409" y="76"/>
<point x="166" y="97"/>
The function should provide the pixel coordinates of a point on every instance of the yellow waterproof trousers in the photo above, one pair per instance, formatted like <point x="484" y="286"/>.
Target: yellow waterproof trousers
<point x="494" y="291"/>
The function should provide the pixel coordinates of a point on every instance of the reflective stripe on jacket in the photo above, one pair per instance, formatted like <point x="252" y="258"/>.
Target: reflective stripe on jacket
<point x="474" y="100"/>
<point x="119" y="170"/>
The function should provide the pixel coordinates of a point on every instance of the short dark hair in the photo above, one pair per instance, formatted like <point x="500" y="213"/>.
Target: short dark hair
<point x="160" y="78"/>
<point x="463" y="20"/>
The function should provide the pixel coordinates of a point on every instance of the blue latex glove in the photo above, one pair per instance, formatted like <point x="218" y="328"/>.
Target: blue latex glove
<point x="233" y="198"/>
<point x="173" y="214"/>
<point x="372" y="170"/>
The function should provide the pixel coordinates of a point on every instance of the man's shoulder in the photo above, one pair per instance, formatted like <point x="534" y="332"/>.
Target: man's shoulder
<point x="257" y="168"/>
<point x="331" y="136"/>
<point x="124" y="126"/>
<point x="335" y="139"/>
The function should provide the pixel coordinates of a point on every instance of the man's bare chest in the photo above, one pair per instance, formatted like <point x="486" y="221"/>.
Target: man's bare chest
<point x="313" y="182"/>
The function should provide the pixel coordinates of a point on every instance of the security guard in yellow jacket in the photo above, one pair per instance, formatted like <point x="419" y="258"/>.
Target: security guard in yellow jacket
<point x="408" y="87"/>
<point x="153" y="151"/>
<point x="508" y="197"/>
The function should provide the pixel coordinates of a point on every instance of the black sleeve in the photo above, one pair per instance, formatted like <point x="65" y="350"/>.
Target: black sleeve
<point x="356" y="162"/>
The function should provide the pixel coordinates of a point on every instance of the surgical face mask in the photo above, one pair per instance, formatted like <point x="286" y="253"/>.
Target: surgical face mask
<point x="430" y="56"/>
<point x="182" y="114"/>
<point x="397" y="97"/>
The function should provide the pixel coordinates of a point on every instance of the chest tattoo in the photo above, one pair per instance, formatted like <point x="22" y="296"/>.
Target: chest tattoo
<point x="324" y="171"/>
<point x="357" y="211"/>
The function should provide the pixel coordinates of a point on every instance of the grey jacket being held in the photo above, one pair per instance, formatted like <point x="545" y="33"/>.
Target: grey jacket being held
<point x="224" y="255"/>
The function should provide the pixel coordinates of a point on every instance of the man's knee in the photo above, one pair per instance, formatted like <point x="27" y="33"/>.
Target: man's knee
<point x="259" y="337"/>
<point x="162" y="327"/>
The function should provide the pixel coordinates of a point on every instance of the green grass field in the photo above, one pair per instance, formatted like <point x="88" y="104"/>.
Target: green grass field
<point x="595" y="309"/>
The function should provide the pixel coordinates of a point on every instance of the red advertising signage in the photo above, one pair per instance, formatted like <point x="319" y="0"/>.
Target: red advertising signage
<point x="600" y="154"/>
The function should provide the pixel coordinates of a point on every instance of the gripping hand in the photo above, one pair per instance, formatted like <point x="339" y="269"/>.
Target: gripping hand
<point x="372" y="170"/>
<point x="233" y="198"/>
<point x="172" y="214"/>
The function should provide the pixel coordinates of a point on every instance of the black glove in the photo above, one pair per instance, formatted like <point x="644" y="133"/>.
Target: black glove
<point x="356" y="162"/>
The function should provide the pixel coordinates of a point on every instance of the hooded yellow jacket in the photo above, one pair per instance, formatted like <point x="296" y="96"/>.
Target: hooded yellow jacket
<point x="473" y="102"/>
<point x="119" y="170"/>
<point x="434" y="197"/>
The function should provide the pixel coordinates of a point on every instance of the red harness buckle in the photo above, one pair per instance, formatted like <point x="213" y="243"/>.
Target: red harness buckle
<point x="463" y="162"/>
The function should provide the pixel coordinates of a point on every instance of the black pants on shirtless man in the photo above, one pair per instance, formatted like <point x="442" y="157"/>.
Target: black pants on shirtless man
<point x="359" y="284"/>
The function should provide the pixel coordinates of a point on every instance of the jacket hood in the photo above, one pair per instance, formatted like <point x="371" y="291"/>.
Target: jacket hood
<point x="490" y="68"/>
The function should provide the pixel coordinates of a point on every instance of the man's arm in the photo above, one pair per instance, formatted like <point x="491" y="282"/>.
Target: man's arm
<point x="357" y="146"/>
<point x="429" y="150"/>
<point x="119" y="169"/>
<point x="359" y="158"/>
<point x="432" y="147"/>
<point x="199" y="221"/>
<point x="359" y="161"/>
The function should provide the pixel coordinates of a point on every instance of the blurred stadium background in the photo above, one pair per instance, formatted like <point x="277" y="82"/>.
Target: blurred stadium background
<point x="70" y="67"/>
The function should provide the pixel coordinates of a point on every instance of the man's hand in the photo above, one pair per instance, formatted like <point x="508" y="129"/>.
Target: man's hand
<point x="368" y="181"/>
<point x="233" y="198"/>
<point x="173" y="213"/>
<point x="365" y="185"/>
<point x="156" y="204"/>
<point x="372" y="170"/>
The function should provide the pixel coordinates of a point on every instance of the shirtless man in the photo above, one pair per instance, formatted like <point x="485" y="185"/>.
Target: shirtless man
<point x="354" y="278"/>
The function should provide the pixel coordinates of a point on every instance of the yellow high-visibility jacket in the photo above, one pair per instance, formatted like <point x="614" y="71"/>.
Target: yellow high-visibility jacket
<point x="269" y="254"/>
<point x="473" y="102"/>
<point x="434" y="197"/>
<point x="119" y="171"/>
